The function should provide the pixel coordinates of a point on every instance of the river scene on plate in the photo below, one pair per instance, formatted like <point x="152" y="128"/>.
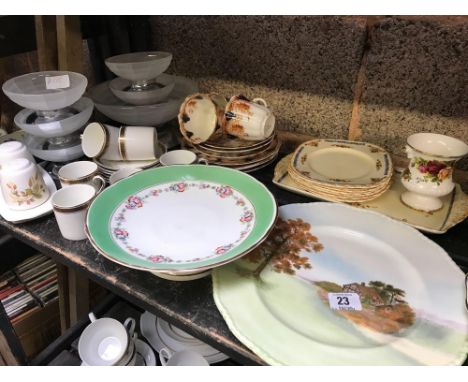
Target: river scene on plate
<point x="297" y="267"/>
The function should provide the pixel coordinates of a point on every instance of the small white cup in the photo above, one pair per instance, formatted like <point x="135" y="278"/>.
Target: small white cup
<point x="22" y="185"/>
<point x="70" y="205"/>
<point x="249" y="120"/>
<point x="180" y="157"/>
<point x="181" y="358"/>
<point x="14" y="150"/>
<point x="124" y="143"/>
<point x="101" y="141"/>
<point x="81" y="172"/>
<point x="137" y="143"/>
<point x="106" y="342"/>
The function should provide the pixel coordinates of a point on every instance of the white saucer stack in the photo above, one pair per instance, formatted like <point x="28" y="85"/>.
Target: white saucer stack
<point x="160" y="334"/>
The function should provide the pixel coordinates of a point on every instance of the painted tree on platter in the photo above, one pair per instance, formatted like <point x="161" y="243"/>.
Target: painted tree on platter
<point x="283" y="247"/>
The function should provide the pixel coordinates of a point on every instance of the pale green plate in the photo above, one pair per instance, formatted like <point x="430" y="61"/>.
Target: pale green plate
<point x="411" y="294"/>
<point x="157" y="219"/>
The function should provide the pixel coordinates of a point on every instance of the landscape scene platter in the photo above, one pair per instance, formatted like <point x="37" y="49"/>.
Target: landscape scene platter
<point x="137" y="221"/>
<point x="337" y="162"/>
<point x="396" y="310"/>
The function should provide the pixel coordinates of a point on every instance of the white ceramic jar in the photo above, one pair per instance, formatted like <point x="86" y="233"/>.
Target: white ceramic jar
<point x="13" y="150"/>
<point x="22" y="185"/>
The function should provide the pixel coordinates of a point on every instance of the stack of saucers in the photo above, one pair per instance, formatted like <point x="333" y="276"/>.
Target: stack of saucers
<point x="109" y="167"/>
<point x="343" y="171"/>
<point x="226" y="150"/>
<point x="161" y="334"/>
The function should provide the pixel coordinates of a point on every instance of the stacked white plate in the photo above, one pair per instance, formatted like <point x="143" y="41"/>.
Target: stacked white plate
<point x="109" y="167"/>
<point x="342" y="171"/>
<point x="160" y="334"/>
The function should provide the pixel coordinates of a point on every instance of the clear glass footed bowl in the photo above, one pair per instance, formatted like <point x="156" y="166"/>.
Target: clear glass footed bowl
<point x="144" y="115"/>
<point x="139" y="66"/>
<point x="46" y="90"/>
<point x="80" y="112"/>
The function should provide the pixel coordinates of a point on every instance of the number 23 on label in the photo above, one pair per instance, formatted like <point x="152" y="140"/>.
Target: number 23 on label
<point x="344" y="301"/>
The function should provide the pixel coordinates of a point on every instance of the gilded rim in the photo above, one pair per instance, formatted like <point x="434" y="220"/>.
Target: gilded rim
<point x="122" y="150"/>
<point x="76" y="208"/>
<point x="81" y="179"/>
<point x="298" y="150"/>
<point x="447" y="158"/>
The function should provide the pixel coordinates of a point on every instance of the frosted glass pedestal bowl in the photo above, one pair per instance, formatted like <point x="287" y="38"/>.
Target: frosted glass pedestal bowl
<point x="139" y="66"/>
<point x="25" y="120"/>
<point x="144" y="115"/>
<point x="30" y="90"/>
<point x="156" y="92"/>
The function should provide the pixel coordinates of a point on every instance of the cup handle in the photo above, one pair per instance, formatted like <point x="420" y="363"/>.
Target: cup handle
<point x="202" y="161"/>
<point x="92" y="317"/>
<point x="102" y="181"/>
<point x="130" y="325"/>
<point x="466" y="291"/>
<point x="260" y="101"/>
<point x="164" y="356"/>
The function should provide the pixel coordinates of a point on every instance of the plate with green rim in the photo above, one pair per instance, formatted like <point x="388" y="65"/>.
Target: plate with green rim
<point x="337" y="285"/>
<point x="181" y="218"/>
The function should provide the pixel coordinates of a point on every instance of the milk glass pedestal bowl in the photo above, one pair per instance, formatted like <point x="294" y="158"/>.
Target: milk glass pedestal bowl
<point x="139" y="67"/>
<point x="429" y="174"/>
<point x="31" y="91"/>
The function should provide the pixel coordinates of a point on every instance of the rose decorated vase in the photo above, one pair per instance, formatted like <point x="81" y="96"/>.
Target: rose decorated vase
<point x="429" y="173"/>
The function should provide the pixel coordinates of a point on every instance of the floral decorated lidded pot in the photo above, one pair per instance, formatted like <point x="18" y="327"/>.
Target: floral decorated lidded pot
<point x="429" y="174"/>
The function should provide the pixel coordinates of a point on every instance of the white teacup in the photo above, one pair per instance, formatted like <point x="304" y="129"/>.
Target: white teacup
<point x="124" y="143"/>
<point x="22" y="185"/>
<point x="106" y="342"/>
<point x="137" y="143"/>
<point x="247" y="120"/>
<point x="101" y="141"/>
<point x="180" y="157"/>
<point x="14" y="150"/>
<point x="70" y="205"/>
<point x="81" y="172"/>
<point x="181" y="358"/>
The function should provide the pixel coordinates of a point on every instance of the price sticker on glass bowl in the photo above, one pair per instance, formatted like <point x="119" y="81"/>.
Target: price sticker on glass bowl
<point x="57" y="82"/>
<point x="344" y="301"/>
